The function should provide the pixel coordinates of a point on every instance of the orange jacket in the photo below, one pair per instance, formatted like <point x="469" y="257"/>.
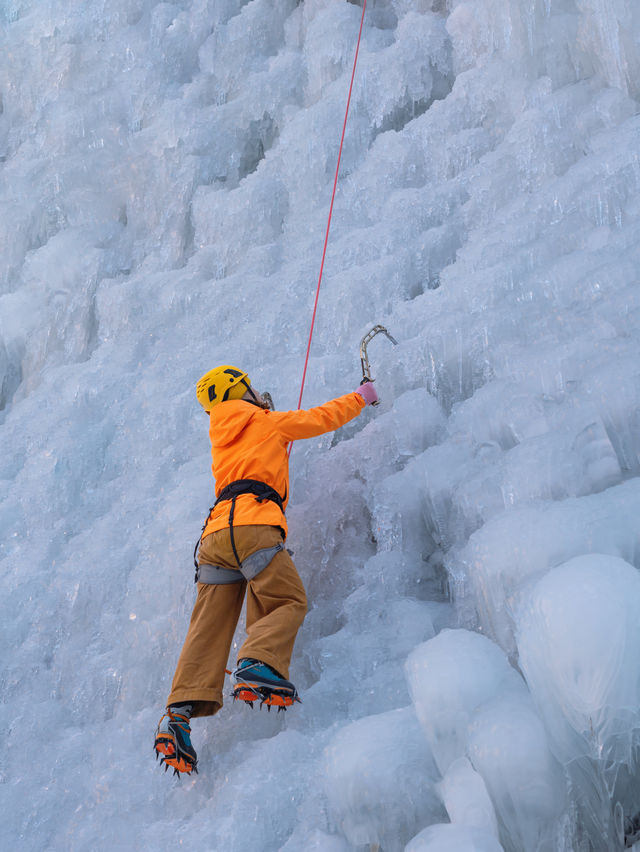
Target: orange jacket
<point x="248" y="442"/>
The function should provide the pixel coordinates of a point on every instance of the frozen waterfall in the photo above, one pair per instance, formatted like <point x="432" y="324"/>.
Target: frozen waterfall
<point x="469" y="664"/>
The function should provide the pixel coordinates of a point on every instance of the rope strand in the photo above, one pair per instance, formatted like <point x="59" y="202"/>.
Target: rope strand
<point x="333" y="195"/>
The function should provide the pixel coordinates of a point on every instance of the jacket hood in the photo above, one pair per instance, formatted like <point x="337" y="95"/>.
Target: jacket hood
<point x="229" y="419"/>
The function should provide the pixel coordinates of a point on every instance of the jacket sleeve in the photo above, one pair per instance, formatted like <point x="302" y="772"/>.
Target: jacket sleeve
<point x="293" y="425"/>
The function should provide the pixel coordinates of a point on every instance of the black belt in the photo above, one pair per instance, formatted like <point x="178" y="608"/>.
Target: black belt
<point x="250" y="486"/>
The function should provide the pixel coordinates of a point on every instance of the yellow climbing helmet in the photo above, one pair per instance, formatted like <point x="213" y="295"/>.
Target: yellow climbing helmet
<point x="220" y="384"/>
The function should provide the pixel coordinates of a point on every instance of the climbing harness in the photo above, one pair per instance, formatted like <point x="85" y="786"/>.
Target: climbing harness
<point x="249" y="568"/>
<point x="364" y="358"/>
<point x="256" y="562"/>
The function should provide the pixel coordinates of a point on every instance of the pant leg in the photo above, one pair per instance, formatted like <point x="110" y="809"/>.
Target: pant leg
<point x="276" y="607"/>
<point x="199" y="676"/>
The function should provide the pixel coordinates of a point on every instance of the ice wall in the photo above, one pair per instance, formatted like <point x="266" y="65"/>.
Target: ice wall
<point x="165" y="176"/>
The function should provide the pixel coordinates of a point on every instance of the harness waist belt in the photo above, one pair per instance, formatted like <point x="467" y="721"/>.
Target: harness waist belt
<point x="250" y="486"/>
<point x="249" y="568"/>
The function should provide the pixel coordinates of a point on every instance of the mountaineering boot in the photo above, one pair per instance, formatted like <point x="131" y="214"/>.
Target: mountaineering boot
<point x="173" y="741"/>
<point x="256" y="681"/>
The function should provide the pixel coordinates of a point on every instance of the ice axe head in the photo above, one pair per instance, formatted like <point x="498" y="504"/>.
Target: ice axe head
<point x="364" y="358"/>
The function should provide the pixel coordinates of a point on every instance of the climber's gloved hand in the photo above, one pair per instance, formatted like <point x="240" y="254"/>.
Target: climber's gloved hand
<point x="368" y="393"/>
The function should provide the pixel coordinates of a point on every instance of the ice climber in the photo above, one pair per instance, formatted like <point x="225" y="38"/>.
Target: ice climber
<point x="241" y="550"/>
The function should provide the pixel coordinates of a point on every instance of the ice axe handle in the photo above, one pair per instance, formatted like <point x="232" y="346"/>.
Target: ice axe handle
<point x="364" y="359"/>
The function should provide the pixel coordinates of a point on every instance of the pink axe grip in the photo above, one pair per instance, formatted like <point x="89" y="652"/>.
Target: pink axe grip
<point x="368" y="393"/>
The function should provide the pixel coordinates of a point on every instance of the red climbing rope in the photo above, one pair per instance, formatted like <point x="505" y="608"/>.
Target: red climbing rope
<point x="333" y="195"/>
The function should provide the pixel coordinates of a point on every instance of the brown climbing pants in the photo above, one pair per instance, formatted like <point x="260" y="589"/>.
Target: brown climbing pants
<point x="276" y="607"/>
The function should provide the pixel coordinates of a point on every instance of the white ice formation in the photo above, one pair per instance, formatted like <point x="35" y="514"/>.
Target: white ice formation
<point x="469" y="664"/>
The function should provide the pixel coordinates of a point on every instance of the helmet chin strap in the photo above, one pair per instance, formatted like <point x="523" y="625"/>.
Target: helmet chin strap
<point x="253" y="401"/>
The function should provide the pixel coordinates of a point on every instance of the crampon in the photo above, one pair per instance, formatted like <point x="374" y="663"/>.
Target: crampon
<point x="173" y="744"/>
<point x="255" y="681"/>
<point x="249" y="693"/>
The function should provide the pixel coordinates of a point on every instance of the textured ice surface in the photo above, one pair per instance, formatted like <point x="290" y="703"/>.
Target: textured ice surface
<point x="379" y="780"/>
<point x="499" y="563"/>
<point x="578" y="639"/>
<point x="465" y="797"/>
<point x="165" y="178"/>
<point x="472" y="703"/>
<point x="443" y="838"/>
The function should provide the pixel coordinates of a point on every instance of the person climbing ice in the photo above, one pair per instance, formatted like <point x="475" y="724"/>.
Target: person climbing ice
<point x="241" y="551"/>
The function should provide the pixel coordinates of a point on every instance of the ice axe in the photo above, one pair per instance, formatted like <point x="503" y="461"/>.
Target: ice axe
<point x="364" y="358"/>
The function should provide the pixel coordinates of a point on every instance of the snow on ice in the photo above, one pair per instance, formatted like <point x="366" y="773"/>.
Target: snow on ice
<point x="468" y="666"/>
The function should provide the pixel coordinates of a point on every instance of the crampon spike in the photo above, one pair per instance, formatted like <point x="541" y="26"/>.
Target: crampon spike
<point x="270" y="698"/>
